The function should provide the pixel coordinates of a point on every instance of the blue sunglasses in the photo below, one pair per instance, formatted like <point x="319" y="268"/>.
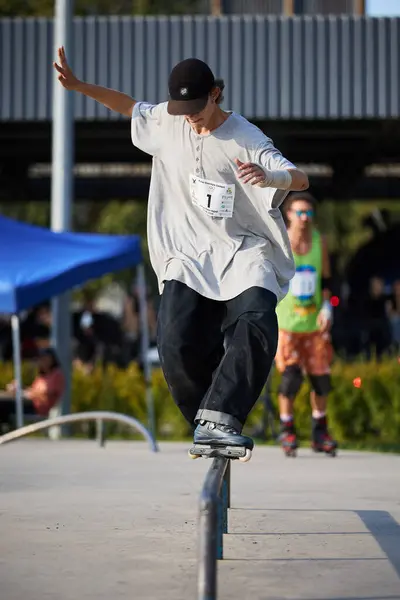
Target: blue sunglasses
<point x="309" y="213"/>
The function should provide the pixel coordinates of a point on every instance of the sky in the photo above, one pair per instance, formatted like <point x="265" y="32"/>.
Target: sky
<point x="382" y="7"/>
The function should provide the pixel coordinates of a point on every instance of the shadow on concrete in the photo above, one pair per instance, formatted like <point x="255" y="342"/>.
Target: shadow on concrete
<point x="380" y="524"/>
<point x="308" y="559"/>
<point x="265" y="509"/>
<point x="282" y="533"/>
<point x="350" y="598"/>
<point x="386" y="532"/>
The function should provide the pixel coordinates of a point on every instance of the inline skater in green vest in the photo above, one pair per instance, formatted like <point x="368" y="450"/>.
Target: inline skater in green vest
<point x="304" y="319"/>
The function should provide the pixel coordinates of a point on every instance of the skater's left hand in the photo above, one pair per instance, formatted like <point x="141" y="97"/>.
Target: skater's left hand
<point x="249" y="172"/>
<point x="324" y="321"/>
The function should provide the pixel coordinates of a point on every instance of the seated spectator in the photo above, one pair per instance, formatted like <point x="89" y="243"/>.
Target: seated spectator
<point x="47" y="387"/>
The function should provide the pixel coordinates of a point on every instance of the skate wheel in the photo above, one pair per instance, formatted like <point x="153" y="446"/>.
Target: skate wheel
<point x="291" y="453"/>
<point x="246" y="457"/>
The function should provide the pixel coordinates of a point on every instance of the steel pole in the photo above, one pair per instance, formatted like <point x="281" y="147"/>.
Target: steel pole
<point x="145" y="345"/>
<point x="61" y="195"/>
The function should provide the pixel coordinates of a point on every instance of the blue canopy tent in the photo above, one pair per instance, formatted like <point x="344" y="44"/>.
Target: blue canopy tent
<point x="37" y="264"/>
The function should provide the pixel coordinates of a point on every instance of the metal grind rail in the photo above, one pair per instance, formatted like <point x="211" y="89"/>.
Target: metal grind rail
<point x="213" y="523"/>
<point x="98" y="416"/>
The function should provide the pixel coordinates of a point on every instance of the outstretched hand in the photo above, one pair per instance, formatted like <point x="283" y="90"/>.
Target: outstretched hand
<point x="249" y="172"/>
<point x="66" y="76"/>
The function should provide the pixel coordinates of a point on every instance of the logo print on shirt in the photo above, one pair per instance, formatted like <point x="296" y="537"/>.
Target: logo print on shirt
<point x="184" y="91"/>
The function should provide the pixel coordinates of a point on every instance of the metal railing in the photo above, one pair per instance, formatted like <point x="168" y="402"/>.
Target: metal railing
<point x="215" y="499"/>
<point x="98" y="416"/>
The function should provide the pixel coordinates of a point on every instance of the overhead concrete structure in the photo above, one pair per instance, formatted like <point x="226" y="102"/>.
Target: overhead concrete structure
<point x="325" y="88"/>
<point x="310" y="67"/>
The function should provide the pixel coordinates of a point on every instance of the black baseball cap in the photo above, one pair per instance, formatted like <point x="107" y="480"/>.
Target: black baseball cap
<point x="189" y="84"/>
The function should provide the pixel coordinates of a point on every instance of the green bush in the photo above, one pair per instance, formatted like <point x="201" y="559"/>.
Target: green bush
<point x="368" y="415"/>
<point x="7" y="373"/>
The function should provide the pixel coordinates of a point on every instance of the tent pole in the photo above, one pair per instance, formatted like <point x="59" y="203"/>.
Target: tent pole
<point x="17" y="370"/>
<point x="144" y="347"/>
<point x="61" y="194"/>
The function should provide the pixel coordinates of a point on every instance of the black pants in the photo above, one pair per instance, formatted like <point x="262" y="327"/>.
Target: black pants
<point x="216" y="356"/>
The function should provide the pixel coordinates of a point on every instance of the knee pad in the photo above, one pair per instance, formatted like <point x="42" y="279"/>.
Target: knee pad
<point x="291" y="381"/>
<point x="321" y="384"/>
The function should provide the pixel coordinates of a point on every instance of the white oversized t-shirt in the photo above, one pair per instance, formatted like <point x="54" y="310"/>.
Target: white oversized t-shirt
<point x="205" y="227"/>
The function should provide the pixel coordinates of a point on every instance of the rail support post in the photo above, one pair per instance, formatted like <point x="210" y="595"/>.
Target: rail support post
<point x="100" y="433"/>
<point x="213" y="523"/>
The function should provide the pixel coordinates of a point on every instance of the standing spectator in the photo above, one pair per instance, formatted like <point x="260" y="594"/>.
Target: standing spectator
<point x="377" y="308"/>
<point x="394" y="314"/>
<point x="132" y="324"/>
<point x="5" y="338"/>
<point x="86" y="349"/>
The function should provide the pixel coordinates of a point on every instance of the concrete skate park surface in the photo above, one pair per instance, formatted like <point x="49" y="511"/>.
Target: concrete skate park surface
<point x="82" y="522"/>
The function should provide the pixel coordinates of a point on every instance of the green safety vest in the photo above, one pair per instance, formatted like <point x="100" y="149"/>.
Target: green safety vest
<point x="298" y="311"/>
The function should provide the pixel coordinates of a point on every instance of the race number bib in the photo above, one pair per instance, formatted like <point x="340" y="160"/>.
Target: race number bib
<point x="303" y="284"/>
<point x="215" y="199"/>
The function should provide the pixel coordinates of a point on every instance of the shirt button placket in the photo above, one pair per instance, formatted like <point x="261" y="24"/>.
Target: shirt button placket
<point x="198" y="158"/>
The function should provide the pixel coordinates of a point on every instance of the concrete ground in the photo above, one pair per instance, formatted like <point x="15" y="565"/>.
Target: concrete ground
<point x="81" y="522"/>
